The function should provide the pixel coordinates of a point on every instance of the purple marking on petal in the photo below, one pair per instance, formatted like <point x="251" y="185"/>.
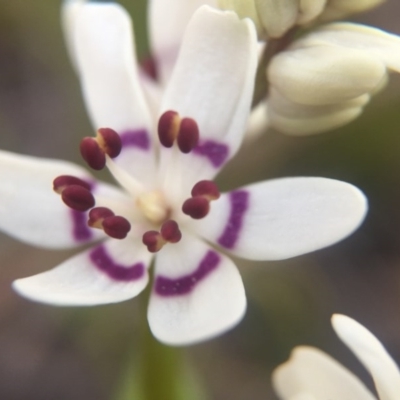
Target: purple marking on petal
<point x="239" y="200"/>
<point x="217" y="153"/>
<point x="106" y="264"/>
<point x="136" y="138"/>
<point x="80" y="230"/>
<point x="177" y="287"/>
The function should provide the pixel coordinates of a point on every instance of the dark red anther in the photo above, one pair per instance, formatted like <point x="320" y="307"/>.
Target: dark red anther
<point x="116" y="227"/>
<point x="78" y="198"/>
<point x="170" y="231"/>
<point x="97" y="215"/>
<point x="92" y="153"/>
<point x="109" y="141"/>
<point x="188" y="135"/>
<point x="196" y="207"/>
<point x="168" y="127"/>
<point x="206" y="188"/>
<point x="153" y="241"/>
<point x="63" y="181"/>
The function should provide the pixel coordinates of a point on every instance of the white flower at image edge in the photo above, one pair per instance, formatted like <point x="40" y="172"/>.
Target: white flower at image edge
<point x="310" y="374"/>
<point x="197" y="292"/>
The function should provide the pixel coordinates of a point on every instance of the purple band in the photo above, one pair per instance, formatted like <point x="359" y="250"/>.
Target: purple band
<point x="136" y="138"/>
<point x="217" y="153"/>
<point x="106" y="264"/>
<point x="80" y="230"/>
<point x="180" y="286"/>
<point x="239" y="200"/>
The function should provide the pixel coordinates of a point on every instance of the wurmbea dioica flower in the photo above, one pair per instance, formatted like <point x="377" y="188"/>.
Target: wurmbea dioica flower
<point x="168" y="205"/>
<point x="312" y="374"/>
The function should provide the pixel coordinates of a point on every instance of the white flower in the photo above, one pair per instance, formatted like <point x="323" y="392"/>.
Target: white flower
<point x="310" y="374"/>
<point x="324" y="79"/>
<point x="198" y="292"/>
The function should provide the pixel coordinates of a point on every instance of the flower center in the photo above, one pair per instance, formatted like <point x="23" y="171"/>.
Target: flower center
<point x="153" y="206"/>
<point x="98" y="152"/>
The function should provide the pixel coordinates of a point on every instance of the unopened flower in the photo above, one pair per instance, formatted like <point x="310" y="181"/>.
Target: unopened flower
<point x="169" y="205"/>
<point x="312" y="374"/>
<point x="324" y="79"/>
<point x="273" y="18"/>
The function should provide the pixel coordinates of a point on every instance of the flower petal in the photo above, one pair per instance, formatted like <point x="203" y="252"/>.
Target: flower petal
<point x="310" y="374"/>
<point x="370" y="351"/>
<point x="167" y="22"/>
<point x="111" y="85"/>
<point x="283" y="218"/>
<point x="31" y="211"/>
<point x="198" y="293"/>
<point x="111" y="272"/>
<point x="69" y="12"/>
<point x="218" y="55"/>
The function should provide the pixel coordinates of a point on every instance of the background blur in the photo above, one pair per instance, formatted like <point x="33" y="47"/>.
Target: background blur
<point x="61" y="353"/>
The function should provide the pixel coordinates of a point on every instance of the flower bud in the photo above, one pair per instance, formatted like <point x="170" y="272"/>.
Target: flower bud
<point x="338" y="9"/>
<point x="324" y="79"/>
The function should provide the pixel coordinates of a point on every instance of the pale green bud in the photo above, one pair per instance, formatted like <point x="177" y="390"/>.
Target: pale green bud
<point x="324" y="79"/>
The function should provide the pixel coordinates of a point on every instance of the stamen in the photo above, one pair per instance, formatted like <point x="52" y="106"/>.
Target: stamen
<point x="109" y="141"/>
<point x="168" y="128"/>
<point x="207" y="189"/>
<point x="196" y="207"/>
<point x="185" y="130"/>
<point x="114" y="226"/>
<point x="94" y="150"/>
<point x="97" y="216"/>
<point x="63" y="181"/>
<point x="92" y="153"/>
<point x="153" y="240"/>
<point x="188" y="135"/>
<point x="77" y="198"/>
<point x="169" y="233"/>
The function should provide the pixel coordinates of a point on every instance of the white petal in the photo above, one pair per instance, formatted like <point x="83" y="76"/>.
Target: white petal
<point x="198" y="293"/>
<point x="310" y="374"/>
<point x="111" y="86"/>
<point x="370" y="351"/>
<point x="69" y="13"/>
<point x="377" y="43"/>
<point x="218" y="56"/>
<point x="284" y="218"/>
<point x="109" y="273"/>
<point x="31" y="211"/>
<point x="167" y="21"/>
